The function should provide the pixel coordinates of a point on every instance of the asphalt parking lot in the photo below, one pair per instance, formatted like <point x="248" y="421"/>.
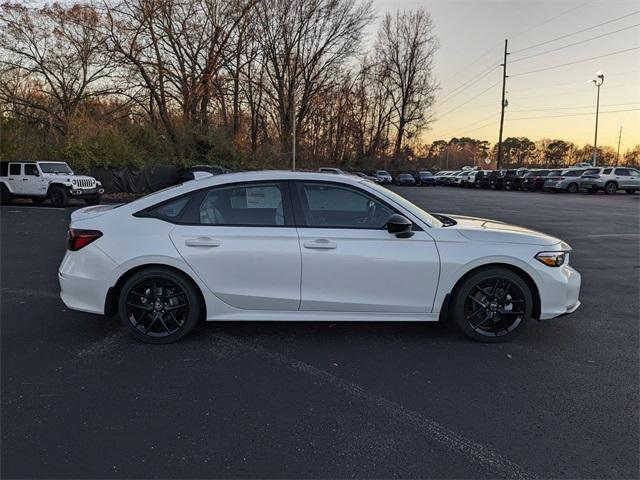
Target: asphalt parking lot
<point x="80" y="398"/>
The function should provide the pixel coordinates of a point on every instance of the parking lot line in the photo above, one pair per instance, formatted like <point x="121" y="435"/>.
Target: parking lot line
<point x="474" y="451"/>
<point x="22" y="291"/>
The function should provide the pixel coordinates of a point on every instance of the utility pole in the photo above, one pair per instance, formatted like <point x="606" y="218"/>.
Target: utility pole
<point x="598" y="81"/>
<point x="619" y="139"/>
<point x="504" y="85"/>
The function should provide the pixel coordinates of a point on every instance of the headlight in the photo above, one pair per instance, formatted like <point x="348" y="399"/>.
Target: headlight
<point x="552" y="259"/>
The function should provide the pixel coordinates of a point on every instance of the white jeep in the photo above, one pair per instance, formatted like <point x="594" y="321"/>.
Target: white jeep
<point x="47" y="180"/>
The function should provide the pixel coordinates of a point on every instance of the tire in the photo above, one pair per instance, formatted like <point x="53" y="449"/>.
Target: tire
<point x="58" y="196"/>
<point x="630" y="191"/>
<point x="483" y="293"/>
<point x="610" y="188"/>
<point x="572" y="187"/>
<point x="93" y="200"/>
<point x="159" y="305"/>
<point x="5" y="195"/>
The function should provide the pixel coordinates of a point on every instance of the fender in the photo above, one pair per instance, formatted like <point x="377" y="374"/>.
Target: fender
<point x="449" y="278"/>
<point x="6" y="184"/>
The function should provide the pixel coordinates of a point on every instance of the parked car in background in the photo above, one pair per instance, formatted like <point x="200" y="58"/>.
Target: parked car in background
<point x="40" y="181"/>
<point x="405" y="179"/>
<point x="223" y="249"/>
<point x="384" y="177"/>
<point x="475" y="178"/>
<point x="425" y="177"/>
<point x="567" y="181"/>
<point x="512" y="179"/>
<point x="533" y="180"/>
<point x="441" y="175"/>
<point x="335" y="171"/>
<point x="582" y="165"/>
<point x="366" y="177"/>
<point x="190" y="172"/>
<point x="449" y="179"/>
<point x="610" y="179"/>
<point x="495" y="178"/>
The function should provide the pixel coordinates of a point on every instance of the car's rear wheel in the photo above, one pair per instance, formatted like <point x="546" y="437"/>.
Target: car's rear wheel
<point x="159" y="305"/>
<point x="572" y="187"/>
<point x="492" y="305"/>
<point x="58" y="196"/>
<point x="610" y="188"/>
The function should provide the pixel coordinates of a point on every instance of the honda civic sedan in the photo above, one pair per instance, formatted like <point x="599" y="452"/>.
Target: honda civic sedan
<point x="286" y="246"/>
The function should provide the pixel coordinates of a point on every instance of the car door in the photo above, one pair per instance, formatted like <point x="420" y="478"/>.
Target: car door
<point x="32" y="181"/>
<point x="623" y="177"/>
<point x="350" y="263"/>
<point x="634" y="178"/>
<point x="15" y="178"/>
<point x="241" y="241"/>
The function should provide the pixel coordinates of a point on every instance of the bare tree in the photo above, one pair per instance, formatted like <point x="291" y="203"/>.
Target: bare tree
<point x="302" y="43"/>
<point x="405" y="48"/>
<point x="52" y="60"/>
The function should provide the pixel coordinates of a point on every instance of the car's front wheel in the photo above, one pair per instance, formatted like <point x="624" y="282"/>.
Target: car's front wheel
<point x="572" y="187"/>
<point x="58" y="196"/>
<point x="492" y="305"/>
<point x="159" y="305"/>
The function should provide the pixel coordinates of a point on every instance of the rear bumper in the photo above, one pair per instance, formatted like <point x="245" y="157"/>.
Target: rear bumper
<point x="83" y="279"/>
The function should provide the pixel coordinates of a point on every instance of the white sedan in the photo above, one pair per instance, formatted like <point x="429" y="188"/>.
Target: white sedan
<point x="284" y="246"/>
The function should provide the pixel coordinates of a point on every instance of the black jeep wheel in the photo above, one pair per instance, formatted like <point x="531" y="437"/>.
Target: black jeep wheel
<point x="492" y="305"/>
<point x="5" y="196"/>
<point x="159" y="305"/>
<point x="58" y="196"/>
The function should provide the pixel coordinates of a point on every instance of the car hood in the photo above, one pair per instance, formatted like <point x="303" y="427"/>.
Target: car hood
<point x="485" y="230"/>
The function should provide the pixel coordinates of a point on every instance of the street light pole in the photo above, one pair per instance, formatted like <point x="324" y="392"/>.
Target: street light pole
<point x="598" y="81"/>
<point x="293" y="130"/>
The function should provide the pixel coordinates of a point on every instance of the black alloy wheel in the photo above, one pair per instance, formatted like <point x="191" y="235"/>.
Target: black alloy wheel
<point x="572" y="187"/>
<point x="492" y="305"/>
<point x="159" y="305"/>
<point x="610" y="188"/>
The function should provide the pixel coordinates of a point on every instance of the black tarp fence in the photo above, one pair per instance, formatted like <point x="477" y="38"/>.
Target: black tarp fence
<point x="126" y="180"/>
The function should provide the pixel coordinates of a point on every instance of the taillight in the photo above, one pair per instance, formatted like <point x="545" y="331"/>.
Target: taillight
<point x="81" y="238"/>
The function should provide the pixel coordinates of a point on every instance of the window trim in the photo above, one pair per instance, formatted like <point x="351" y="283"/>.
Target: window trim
<point x="20" y="173"/>
<point x="198" y="196"/>
<point x="299" y="214"/>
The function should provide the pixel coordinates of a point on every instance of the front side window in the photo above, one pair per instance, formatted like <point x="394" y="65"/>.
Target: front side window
<point x="633" y="172"/>
<point x="30" y="169"/>
<point x="336" y="206"/>
<point x="15" y="169"/>
<point x="622" y="171"/>
<point x="257" y="205"/>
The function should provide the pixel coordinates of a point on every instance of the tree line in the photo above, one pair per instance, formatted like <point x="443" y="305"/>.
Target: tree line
<point x="221" y="82"/>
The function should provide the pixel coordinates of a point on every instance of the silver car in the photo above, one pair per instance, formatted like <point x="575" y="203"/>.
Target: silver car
<point x="568" y="181"/>
<point x="610" y="179"/>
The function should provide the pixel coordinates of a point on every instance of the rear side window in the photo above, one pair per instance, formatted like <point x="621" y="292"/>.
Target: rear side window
<point x="15" y="169"/>
<point x="257" y="205"/>
<point x="573" y="173"/>
<point x="607" y="171"/>
<point x="171" y="210"/>
<point x="591" y="171"/>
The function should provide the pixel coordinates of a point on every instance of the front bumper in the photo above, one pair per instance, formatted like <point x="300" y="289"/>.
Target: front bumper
<point x="86" y="192"/>
<point x="559" y="290"/>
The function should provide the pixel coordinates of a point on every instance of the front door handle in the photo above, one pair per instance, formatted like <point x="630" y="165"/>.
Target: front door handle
<point x="202" y="242"/>
<point x="25" y="179"/>
<point x="320" y="244"/>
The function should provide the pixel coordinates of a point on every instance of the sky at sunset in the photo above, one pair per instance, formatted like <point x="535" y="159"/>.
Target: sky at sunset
<point x="552" y="102"/>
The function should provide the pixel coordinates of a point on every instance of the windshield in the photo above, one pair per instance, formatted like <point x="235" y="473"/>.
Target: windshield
<point x="414" y="209"/>
<point x="55" y="167"/>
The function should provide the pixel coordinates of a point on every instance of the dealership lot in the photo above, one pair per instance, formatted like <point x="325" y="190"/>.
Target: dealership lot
<point x="81" y="398"/>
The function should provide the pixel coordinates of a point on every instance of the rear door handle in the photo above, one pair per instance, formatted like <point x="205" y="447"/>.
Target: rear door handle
<point x="202" y="242"/>
<point x="320" y="244"/>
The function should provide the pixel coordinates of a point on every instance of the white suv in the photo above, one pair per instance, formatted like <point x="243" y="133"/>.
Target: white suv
<point x="41" y="180"/>
<point x="610" y="179"/>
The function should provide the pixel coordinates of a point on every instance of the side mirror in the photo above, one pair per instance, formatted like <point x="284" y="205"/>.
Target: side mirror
<point x="399" y="226"/>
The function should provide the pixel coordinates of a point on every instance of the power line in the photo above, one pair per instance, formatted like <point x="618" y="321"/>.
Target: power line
<point x="575" y="62"/>
<point x="471" y="99"/>
<point x="576" y="32"/>
<point x="574" y="91"/>
<point x="561" y="14"/>
<point x="462" y="129"/>
<point x="574" y="82"/>
<point x="552" y="109"/>
<point x="576" y="114"/>
<point x="478" y="77"/>
<point x="575" y="43"/>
